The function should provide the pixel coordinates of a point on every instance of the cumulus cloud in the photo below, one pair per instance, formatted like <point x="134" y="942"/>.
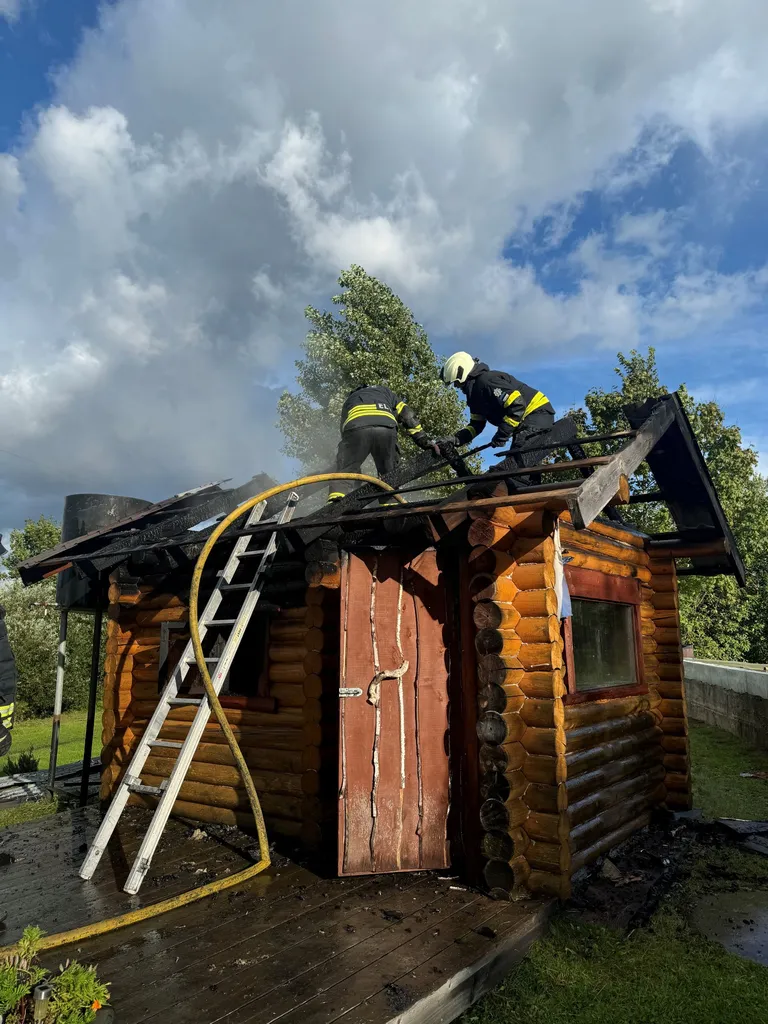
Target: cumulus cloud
<point x="201" y="175"/>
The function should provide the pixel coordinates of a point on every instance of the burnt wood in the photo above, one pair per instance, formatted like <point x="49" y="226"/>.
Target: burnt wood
<point x="596" y="491"/>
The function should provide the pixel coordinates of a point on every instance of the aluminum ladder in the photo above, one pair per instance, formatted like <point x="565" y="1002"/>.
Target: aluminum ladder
<point x="168" y="791"/>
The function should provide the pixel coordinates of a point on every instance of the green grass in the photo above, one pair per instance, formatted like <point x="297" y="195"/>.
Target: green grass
<point x="31" y="811"/>
<point x="717" y="759"/>
<point x="664" y="974"/>
<point x="35" y="734"/>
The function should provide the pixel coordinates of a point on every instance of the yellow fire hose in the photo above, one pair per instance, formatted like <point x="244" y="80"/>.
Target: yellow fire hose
<point x="156" y="909"/>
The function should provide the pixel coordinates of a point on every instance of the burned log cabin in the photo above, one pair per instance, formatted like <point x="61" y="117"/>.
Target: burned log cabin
<point x="490" y="681"/>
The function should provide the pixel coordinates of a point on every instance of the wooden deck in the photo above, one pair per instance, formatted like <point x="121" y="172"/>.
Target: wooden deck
<point x="289" y="946"/>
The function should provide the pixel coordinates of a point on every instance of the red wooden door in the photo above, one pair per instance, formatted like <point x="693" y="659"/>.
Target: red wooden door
<point x="393" y="708"/>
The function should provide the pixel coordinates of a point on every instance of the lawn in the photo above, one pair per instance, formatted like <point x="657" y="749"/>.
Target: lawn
<point x="665" y="973"/>
<point x="35" y="734"/>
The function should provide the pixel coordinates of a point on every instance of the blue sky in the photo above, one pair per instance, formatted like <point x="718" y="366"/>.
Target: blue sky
<point x="178" y="179"/>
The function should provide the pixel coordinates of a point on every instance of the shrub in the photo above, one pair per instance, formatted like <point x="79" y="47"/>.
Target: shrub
<point x="25" y="762"/>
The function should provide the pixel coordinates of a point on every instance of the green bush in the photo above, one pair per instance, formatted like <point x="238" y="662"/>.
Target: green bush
<point x="76" y="994"/>
<point x="33" y="630"/>
<point x="25" y="762"/>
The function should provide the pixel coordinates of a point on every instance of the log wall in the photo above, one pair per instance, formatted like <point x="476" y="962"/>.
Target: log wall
<point x="283" y="748"/>
<point x="564" y="782"/>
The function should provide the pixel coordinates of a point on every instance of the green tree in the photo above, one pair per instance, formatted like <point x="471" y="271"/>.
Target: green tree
<point x="33" y="628"/>
<point x="373" y="338"/>
<point x="37" y="536"/>
<point x="718" y="618"/>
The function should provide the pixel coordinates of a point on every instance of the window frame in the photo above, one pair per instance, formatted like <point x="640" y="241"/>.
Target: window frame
<point x="590" y="585"/>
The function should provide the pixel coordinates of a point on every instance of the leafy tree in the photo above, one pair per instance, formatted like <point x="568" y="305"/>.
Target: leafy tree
<point x="718" y="618"/>
<point x="37" y="536"/>
<point x="373" y="339"/>
<point x="33" y="628"/>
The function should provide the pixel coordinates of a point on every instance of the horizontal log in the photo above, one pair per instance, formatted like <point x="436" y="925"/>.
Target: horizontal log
<point x="552" y="857"/>
<point x="497" y="815"/>
<point x="673" y="708"/>
<point x="539" y="630"/>
<point x="678" y="783"/>
<point x="209" y="773"/>
<point x="505" y="845"/>
<point x="485" y="587"/>
<point x="612" y="567"/>
<point x="547" y="828"/>
<point x="578" y="715"/>
<point x="540" y="741"/>
<point x="113" y="646"/>
<point x="294" y="614"/>
<point x="678" y="763"/>
<point x="616" y="533"/>
<point x="496" y="727"/>
<point x="611" y="750"/>
<point x="286" y="653"/>
<point x="177" y="613"/>
<point x="665" y="602"/>
<point x="545" y="685"/>
<point x="593" y="735"/>
<point x="294" y="672"/>
<point x="678" y="801"/>
<point x="664" y="584"/>
<point x="501" y="757"/>
<point x="259" y="758"/>
<point x="607" y="842"/>
<point x="493" y="615"/>
<point x="507" y="697"/>
<point x="542" y="714"/>
<point x="595" y="803"/>
<point x="667" y="636"/>
<point x="235" y="799"/>
<point x="506" y="876"/>
<point x="589" y="832"/>
<point x="497" y="641"/>
<point x="486" y="533"/>
<point x="536" y="602"/>
<point x="506" y="787"/>
<point x="586" y="541"/>
<point x="296" y="737"/>
<point x="533" y="523"/>
<point x="540" y="657"/>
<point x="497" y="669"/>
<point x="606" y="775"/>
<point x="670" y="688"/>
<point x="675" y="744"/>
<point x="143" y="711"/>
<point x="674" y="726"/>
<point x="541" y="768"/>
<point x="307" y="832"/>
<point x="323" y="574"/>
<point x="549" y="883"/>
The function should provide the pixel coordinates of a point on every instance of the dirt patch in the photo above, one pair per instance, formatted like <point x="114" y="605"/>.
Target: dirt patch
<point x="622" y="891"/>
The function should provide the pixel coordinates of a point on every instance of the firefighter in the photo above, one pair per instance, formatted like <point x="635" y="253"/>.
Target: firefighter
<point x="369" y="421"/>
<point x="518" y="412"/>
<point x="7" y="687"/>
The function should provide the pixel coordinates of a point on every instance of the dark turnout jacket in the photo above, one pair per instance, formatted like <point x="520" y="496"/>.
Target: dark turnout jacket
<point x="7" y="675"/>
<point x="377" y="406"/>
<point x="501" y="399"/>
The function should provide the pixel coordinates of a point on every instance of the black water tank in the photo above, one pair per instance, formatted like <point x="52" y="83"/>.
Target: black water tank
<point x="84" y="513"/>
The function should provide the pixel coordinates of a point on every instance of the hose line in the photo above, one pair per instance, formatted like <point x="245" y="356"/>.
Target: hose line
<point x="164" y="906"/>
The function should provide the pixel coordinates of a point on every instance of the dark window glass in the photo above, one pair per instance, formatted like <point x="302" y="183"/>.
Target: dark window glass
<point x="603" y="644"/>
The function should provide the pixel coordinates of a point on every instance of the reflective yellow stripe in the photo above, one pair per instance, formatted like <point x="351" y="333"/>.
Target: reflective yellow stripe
<point x="415" y="430"/>
<point x="6" y="710"/>
<point x="367" y="410"/>
<point x="472" y="431"/>
<point x="399" y="407"/>
<point x="512" y="397"/>
<point x="535" y="403"/>
<point x="511" y="422"/>
<point x="477" y="418"/>
<point x="335" y="494"/>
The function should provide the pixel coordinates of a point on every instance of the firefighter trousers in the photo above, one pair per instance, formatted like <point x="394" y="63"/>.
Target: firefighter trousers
<point x="356" y="444"/>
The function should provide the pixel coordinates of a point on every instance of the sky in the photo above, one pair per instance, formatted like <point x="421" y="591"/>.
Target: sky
<point x="544" y="184"/>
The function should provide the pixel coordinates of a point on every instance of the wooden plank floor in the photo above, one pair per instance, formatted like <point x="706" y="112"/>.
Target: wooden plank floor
<point x="289" y="945"/>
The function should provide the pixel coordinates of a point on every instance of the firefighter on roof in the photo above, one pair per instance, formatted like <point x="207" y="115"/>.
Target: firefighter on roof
<point x="518" y="411"/>
<point x="369" y="421"/>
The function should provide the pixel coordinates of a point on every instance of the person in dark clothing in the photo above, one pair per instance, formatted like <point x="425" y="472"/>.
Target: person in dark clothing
<point x="369" y="421"/>
<point x="7" y="687"/>
<point x="518" y="412"/>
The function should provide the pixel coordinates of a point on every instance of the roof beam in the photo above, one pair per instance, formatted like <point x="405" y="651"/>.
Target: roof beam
<point x="597" y="490"/>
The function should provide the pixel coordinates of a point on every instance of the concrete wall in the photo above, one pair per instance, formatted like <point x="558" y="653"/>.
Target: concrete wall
<point x="734" y="699"/>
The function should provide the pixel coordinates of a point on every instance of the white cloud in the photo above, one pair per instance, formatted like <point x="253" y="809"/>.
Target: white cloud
<point x="11" y="9"/>
<point x="200" y="176"/>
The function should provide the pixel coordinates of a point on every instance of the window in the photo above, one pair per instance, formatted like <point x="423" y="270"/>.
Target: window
<point x="603" y="638"/>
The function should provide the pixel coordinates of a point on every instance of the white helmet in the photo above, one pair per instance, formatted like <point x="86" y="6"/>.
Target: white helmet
<point x="457" y="368"/>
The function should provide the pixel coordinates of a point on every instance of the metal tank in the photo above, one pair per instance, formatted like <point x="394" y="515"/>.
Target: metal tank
<point x="84" y="513"/>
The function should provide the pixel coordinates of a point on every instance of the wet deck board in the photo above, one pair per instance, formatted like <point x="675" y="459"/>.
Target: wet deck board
<point x="289" y="945"/>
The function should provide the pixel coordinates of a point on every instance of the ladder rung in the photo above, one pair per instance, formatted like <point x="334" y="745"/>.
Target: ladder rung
<point x="192" y="660"/>
<point x="139" y="787"/>
<point x="185" y="700"/>
<point x="235" y="586"/>
<point x="251" y="554"/>
<point x="173" y="744"/>
<point x="220" y="622"/>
